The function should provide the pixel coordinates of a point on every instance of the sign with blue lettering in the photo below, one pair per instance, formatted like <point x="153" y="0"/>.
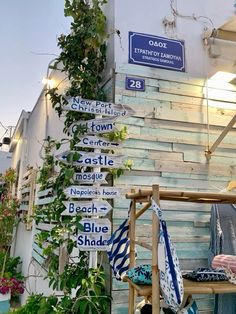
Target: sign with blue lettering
<point x="156" y="51"/>
<point x="94" y="126"/>
<point x="96" y="225"/>
<point x="91" y="159"/>
<point x="90" y="177"/>
<point x="95" y="234"/>
<point x="86" y="208"/>
<point x="92" y="242"/>
<point x="135" y="84"/>
<point x="78" y="191"/>
<point x="97" y="142"/>
<point x="98" y="107"/>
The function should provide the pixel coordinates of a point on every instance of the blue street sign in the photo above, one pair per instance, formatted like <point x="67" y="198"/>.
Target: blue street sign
<point x="135" y="84"/>
<point x="156" y="51"/>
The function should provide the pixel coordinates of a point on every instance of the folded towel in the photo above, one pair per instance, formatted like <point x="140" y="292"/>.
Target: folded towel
<point x="225" y="261"/>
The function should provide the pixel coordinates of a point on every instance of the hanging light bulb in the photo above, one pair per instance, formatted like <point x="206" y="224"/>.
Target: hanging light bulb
<point x="49" y="82"/>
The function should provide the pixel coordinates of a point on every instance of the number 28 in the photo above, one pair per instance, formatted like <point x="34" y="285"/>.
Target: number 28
<point x="135" y="84"/>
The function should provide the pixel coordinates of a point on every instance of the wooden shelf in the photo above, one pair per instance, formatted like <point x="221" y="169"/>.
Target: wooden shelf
<point x="193" y="287"/>
<point x="190" y="287"/>
<point x="186" y="196"/>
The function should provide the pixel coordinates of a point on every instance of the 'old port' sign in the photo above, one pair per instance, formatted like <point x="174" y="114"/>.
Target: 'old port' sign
<point x="77" y="191"/>
<point x="86" y="208"/>
<point x="93" y="159"/>
<point x="94" y="126"/>
<point x="98" y="107"/>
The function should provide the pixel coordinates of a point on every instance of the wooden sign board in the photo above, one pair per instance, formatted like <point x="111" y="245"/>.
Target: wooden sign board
<point x="96" y="226"/>
<point x="90" y="177"/>
<point x="86" y="208"/>
<point x="78" y="191"/>
<point x="94" y="126"/>
<point x="97" y="142"/>
<point x="92" y="242"/>
<point x="98" y="107"/>
<point x="93" y="159"/>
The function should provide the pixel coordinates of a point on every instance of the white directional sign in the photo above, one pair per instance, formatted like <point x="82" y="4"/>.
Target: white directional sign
<point x="96" y="226"/>
<point x="90" y="177"/>
<point x="97" y="142"/>
<point x="97" y="107"/>
<point x="94" y="126"/>
<point x="95" y="234"/>
<point x="88" y="208"/>
<point x="93" y="159"/>
<point x="92" y="242"/>
<point x="77" y="191"/>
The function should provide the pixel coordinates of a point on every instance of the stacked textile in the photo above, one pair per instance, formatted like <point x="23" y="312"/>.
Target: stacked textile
<point x="227" y="262"/>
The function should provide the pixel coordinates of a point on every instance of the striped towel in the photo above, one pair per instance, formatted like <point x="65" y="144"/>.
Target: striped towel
<point x="118" y="248"/>
<point x="225" y="261"/>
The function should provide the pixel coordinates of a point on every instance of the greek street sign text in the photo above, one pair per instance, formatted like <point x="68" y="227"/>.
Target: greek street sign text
<point x="97" y="142"/>
<point x="77" y="191"/>
<point x="88" y="208"/>
<point x="93" y="159"/>
<point x="155" y="51"/>
<point x="98" y="107"/>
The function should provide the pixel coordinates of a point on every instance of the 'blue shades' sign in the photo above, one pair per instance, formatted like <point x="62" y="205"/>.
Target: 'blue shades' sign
<point x="135" y="84"/>
<point x="156" y="51"/>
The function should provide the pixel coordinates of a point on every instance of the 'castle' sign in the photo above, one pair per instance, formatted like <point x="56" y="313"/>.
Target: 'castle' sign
<point x="92" y="159"/>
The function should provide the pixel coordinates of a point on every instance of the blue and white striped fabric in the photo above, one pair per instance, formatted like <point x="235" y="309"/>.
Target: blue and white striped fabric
<point x="191" y="308"/>
<point x="118" y="248"/>
<point x="171" y="281"/>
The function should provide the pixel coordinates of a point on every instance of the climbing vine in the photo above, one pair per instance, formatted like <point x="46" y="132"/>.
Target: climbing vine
<point x="82" y="57"/>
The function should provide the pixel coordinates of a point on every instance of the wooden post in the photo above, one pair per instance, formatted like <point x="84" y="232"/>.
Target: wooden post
<point x="221" y="137"/>
<point x="132" y="254"/>
<point x="155" y="270"/>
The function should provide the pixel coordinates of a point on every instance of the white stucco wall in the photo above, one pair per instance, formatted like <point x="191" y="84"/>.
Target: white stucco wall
<point x="109" y="12"/>
<point x="5" y="161"/>
<point x="43" y="121"/>
<point x="146" y="17"/>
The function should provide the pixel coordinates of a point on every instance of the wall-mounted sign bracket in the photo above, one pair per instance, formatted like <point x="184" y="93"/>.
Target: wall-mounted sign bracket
<point x="224" y="32"/>
<point x="210" y="151"/>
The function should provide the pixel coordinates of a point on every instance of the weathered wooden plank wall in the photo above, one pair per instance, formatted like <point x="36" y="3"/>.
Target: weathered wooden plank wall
<point x="167" y="142"/>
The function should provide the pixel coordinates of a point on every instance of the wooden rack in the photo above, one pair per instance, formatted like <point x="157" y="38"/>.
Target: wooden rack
<point x="190" y="287"/>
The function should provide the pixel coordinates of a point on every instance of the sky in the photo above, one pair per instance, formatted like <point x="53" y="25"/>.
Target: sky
<point x="28" y="37"/>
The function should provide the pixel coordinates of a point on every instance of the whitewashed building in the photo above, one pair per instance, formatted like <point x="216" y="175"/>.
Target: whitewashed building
<point x="160" y="59"/>
<point x="5" y="161"/>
